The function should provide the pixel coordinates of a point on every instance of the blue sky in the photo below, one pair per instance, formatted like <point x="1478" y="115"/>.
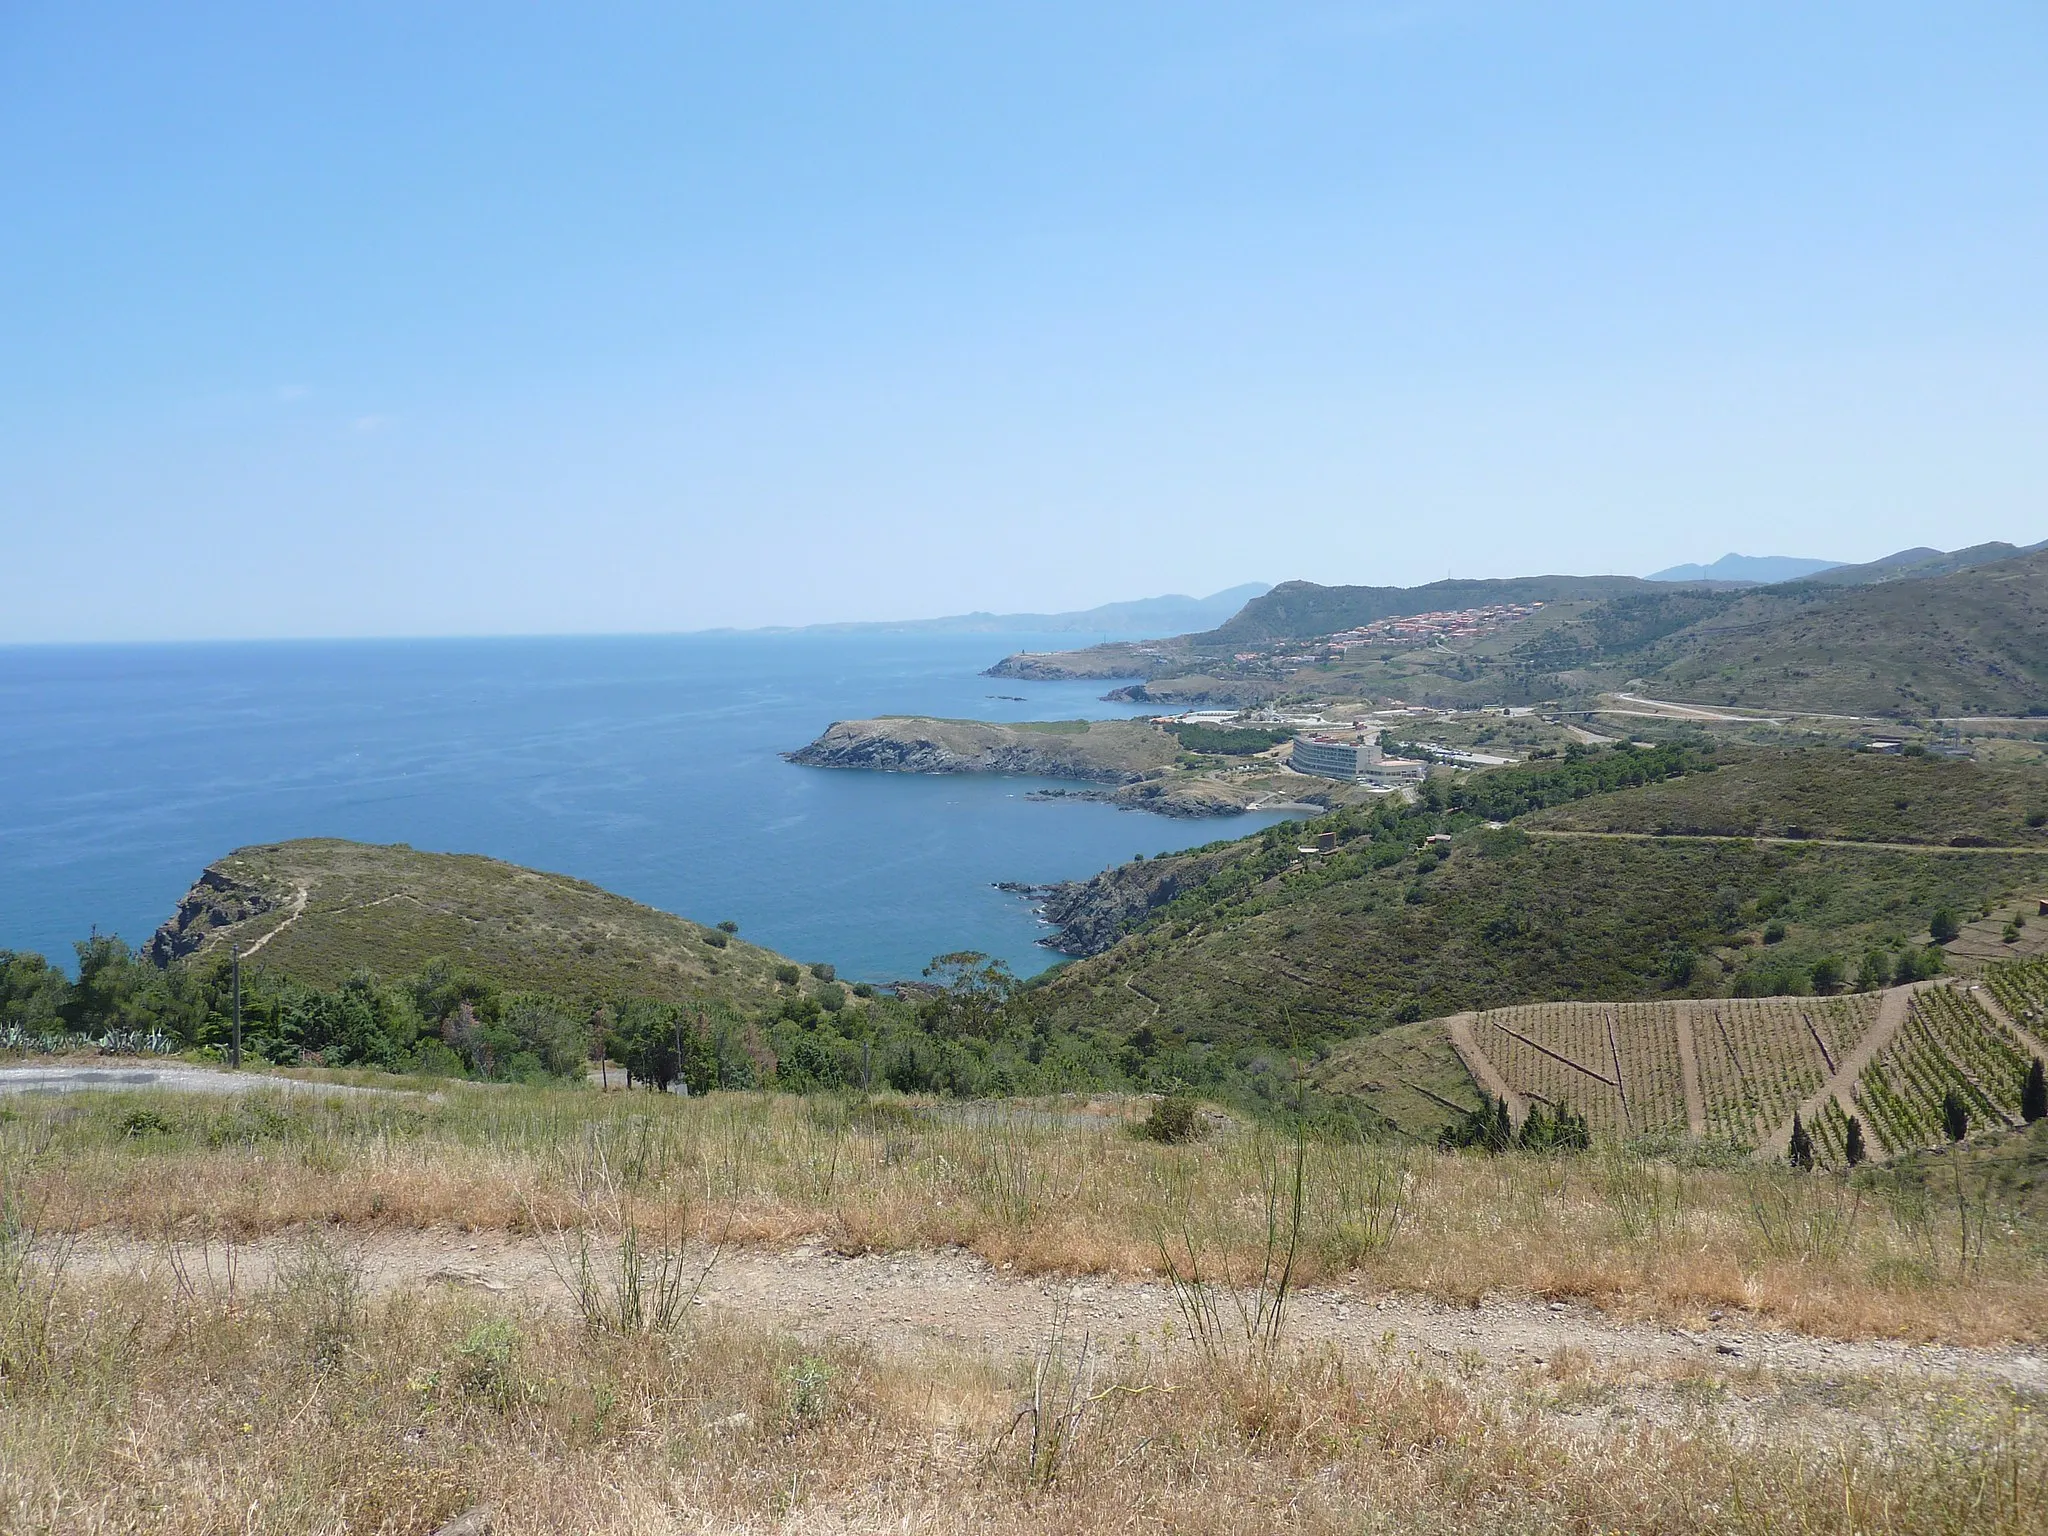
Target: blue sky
<point x="451" y="318"/>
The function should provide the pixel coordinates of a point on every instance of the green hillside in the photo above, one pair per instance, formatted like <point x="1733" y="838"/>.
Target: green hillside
<point x="1974" y="642"/>
<point x="1829" y="793"/>
<point x="318" y="910"/>
<point x="1268" y="948"/>
<point x="1302" y="609"/>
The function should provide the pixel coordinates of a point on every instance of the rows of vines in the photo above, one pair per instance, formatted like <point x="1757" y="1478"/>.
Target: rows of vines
<point x="1527" y="1043"/>
<point x="1759" y="1059"/>
<point x="2022" y="991"/>
<point x="1947" y="1043"/>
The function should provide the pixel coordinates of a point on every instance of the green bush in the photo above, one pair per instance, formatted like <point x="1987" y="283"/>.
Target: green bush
<point x="1174" y="1120"/>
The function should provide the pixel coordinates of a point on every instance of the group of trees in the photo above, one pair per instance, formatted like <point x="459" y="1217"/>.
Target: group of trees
<point x="1490" y="1128"/>
<point x="958" y="1034"/>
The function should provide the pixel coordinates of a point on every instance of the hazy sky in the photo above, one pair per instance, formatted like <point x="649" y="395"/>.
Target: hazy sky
<point x="422" y="318"/>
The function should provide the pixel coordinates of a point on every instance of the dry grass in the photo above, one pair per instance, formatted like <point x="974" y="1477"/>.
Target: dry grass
<point x="1045" y="1191"/>
<point x="309" y="1408"/>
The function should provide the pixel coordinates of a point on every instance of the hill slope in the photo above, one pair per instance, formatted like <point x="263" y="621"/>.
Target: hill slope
<point x="1250" y="947"/>
<point x="320" y="909"/>
<point x="1974" y="642"/>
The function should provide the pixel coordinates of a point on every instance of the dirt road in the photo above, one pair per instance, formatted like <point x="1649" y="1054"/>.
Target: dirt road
<point x="954" y="1300"/>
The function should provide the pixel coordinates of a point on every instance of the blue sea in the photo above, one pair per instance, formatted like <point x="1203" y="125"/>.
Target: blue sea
<point x="648" y="765"/>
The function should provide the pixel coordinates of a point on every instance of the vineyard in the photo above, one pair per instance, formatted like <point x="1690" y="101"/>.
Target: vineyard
<point x="1948" y="1043"/>
<point x="1760" y="1058"/>
<point x="1735" y="1069"/>
<point x="2022" y="991"/>
<point x="1615" y="1063"/>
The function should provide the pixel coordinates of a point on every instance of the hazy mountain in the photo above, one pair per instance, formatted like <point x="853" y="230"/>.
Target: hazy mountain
<point x="1909" y="563"/>
<point x="1145" y="617"/>
<point x="1758" y="568"/>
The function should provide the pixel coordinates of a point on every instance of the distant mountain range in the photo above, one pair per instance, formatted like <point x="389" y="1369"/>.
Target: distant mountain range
<point x="1142" y="618"/>
<point x="1919" y="633"/>
<point x="1761" y="568"/>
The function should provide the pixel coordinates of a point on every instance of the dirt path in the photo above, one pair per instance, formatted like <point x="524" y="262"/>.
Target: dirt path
<point x="298" y="911"/>
<point x="1459" y="1027"/>
<point x="1892" y="1012"/>
<point x="140" y="1076"/>
<point x="1689" y="1075"/>
<point x="918" y="1300"/>
<point x="1780" y="842"/>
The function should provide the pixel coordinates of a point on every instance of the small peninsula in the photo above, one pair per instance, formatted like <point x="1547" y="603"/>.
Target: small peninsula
<point x="1136" y="764"/>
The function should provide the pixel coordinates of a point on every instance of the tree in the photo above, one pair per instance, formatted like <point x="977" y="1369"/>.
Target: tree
<point x="1853" y="1149"/>
<point x="2034" y="1093"/>
<point x="1827" y="975"/>
<point x="1876" y="971"/>
<point x="1943" y="927"/>
<point x="1955" y="1116"/>
<point x="976" y="989"/>
<point x="1800" y="1153"/>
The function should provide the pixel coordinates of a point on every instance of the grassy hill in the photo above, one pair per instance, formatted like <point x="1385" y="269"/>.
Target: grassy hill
<point x="1302" y="609"/>
<point x="1920" y="633"/>
<point x="320" y="909"/>
<point x="1828" y="793"/>
<point x="1974" y="642"/>
<point x="1106" y="750"/>
<point x="1258" y="951"/>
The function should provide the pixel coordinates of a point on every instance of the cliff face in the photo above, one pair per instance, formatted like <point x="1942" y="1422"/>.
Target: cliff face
<point x="1103" y="751"/>
<point x="1093" y="914"/>
<point x="218" y="899"/>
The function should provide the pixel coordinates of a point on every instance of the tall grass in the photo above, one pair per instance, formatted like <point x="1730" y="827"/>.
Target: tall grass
<point x="180" y="1414"/>
<point x="1062" y="1187"/>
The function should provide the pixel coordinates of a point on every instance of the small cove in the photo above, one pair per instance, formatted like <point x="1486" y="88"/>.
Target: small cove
<point x="646" y="764"/>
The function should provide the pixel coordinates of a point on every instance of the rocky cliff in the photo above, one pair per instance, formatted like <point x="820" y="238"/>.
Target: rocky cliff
<point x="1104" y="751"/>
<point x="1093" y="914"/>
<point x="221" y="898"/>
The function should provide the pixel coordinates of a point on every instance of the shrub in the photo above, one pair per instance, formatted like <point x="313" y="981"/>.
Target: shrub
<point x="1943" y="927"/>
<point x="2034" y="1093"/>
<point x="1827" y="975"/>
<point x="1853" y="1149"/>
<point x="728" y="926"/>
<point x="824" y="972"/>
<point x="715" y="939"/>
<point x="788" y="975"/>
<point x="1774" y="933"/>
<point x="863" y="989"/>
<point x="1174" y="1120"/>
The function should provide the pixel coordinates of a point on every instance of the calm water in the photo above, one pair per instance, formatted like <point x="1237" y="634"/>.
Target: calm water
<point x="647" y="765"/>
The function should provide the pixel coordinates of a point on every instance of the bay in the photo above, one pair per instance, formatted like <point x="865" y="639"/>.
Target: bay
<point x="648" y="765"/>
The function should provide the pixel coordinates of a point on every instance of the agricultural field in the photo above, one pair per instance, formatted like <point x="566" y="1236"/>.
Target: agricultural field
<point x="1948" y="1043"/>
<point x="2021" y="991"/>
<point x="1615" y="1063"/>
<point x="1760" y="1058"/>
<point x="1733" y="1070"/>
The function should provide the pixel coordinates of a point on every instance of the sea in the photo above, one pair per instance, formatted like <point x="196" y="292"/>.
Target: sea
<point x="649" y="765"/>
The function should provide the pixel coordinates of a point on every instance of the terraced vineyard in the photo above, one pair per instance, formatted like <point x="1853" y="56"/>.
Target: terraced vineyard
<point x="1615" y="1063"/>
<point x="1736" y="1069"/>
<point x="2022" y="991"/>
<point x="1760" y="1058"/>
<point x="1948" y="1042"/>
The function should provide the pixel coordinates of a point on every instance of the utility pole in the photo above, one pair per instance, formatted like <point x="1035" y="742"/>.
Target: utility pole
<point x="235" y="1052"/>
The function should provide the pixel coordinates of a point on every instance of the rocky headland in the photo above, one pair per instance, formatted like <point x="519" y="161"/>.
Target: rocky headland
<point x="1100" y="751"/>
